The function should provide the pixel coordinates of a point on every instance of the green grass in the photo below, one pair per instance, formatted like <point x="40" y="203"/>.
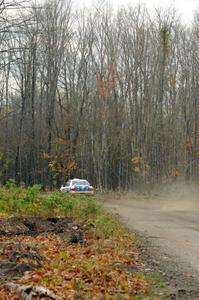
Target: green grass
<point x="157" y="287"/>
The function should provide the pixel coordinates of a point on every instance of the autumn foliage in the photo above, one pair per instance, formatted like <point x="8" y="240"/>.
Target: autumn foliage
<point x="106" y="82"/>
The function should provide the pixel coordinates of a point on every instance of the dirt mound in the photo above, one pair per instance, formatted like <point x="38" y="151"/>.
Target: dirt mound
<point x="36" y="225"/>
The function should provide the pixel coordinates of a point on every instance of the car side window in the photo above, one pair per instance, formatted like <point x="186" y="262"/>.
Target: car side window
<point x="68" y="183"/>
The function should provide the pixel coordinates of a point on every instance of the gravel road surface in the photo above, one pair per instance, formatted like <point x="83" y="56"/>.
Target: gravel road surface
<point x="172" y="234"/>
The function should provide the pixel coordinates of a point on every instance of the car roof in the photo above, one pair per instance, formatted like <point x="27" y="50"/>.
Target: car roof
<point x="79" y="179"/>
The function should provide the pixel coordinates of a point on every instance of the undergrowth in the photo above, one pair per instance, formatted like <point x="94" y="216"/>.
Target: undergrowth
<point x="107" y="231"/>
<point x="31" y="201"/>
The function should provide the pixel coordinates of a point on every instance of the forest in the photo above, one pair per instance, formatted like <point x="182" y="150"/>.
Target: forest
<point x="104" y="94"/>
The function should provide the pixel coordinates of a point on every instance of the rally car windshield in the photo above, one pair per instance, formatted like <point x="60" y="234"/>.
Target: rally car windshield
<point x="80" y="182"/>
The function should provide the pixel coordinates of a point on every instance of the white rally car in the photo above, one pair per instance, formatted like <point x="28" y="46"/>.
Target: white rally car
<point x="77" y="186"/>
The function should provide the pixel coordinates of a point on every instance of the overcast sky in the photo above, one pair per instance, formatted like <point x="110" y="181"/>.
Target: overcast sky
<point x="184" y="7"/>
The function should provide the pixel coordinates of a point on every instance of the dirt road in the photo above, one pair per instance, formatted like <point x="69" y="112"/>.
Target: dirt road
<point x="172" y="232"/>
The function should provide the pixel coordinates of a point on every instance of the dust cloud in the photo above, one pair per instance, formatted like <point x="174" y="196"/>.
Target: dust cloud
<point x="179" y="196"/>
<point x="175" y="196"/>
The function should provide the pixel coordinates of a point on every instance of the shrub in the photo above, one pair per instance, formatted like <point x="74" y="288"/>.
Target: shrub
<point x="32" y="192"/>
<point x="30" y="201"/>
<point x="10" y="183"/>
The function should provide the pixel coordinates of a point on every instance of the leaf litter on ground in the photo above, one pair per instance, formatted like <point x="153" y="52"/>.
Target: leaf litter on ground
<point x="96" y="266"/>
